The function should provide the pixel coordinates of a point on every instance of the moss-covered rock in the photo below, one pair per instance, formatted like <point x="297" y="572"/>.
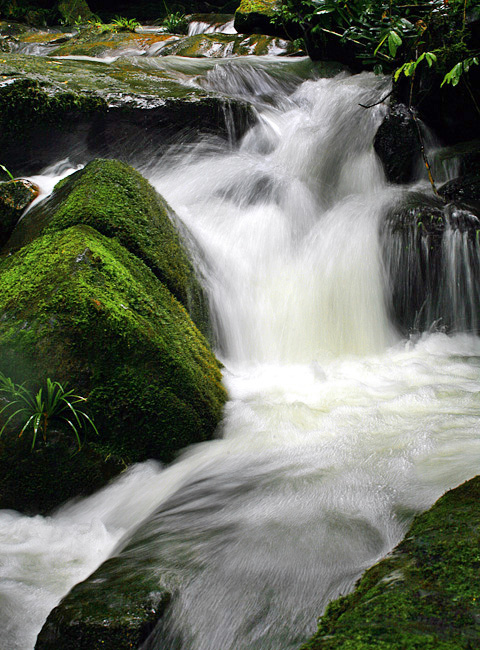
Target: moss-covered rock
<point x="425" y="595"/>
<point x="221" y="45"/>
<point x="118" y="202"/>
<point x="255" y="17"/>
<point x="76" y="306"/>
<point x="111" y="610"/>
<point x="128" y="109"/>
<point x="15" y="197"/>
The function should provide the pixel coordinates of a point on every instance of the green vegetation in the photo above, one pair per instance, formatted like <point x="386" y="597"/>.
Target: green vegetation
<point x="39" y="412"/>
<point x="9" y="174"/>
<point x="389" y="34"/>
<point x="122" y="24"/>
<point x="175" y="23"/>
<point x="425" y="595"/>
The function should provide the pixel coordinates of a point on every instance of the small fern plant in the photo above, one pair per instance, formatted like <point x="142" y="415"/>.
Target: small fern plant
<point x="38" y="412"/>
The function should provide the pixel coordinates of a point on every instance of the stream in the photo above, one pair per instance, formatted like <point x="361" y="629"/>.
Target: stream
<point x="337" y="430"/>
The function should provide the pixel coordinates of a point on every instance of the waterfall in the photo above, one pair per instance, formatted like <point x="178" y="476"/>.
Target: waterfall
<point x="338" y="430"/>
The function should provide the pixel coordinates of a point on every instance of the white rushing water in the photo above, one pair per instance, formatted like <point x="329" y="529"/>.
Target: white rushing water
<point x="337" y="430"/>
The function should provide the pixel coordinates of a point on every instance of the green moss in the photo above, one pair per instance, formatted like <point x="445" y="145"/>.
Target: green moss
<point x="425" y="595"/>
<point x="117" y="201"/>
<point x="76" y="306"/>
<point x="25" y="104"/>
<point x="266" y="7"/>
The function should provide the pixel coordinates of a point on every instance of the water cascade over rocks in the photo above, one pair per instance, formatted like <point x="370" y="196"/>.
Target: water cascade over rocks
<point x="338" y="429"/>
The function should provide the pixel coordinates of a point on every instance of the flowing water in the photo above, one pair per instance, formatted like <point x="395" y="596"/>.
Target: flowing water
<point x="337" y="430"/>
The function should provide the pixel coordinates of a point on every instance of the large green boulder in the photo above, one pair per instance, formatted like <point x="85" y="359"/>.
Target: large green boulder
<point x="425" y="595"/>
<point x="77" y="306"/>
<point x="85" y="299"/>
<point x="74" y="11"/>
<point x="118" y="202"/>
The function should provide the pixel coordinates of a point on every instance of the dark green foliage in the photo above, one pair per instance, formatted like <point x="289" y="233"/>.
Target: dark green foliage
<point x="425" y="595"/>
<point x="385" y="34"/>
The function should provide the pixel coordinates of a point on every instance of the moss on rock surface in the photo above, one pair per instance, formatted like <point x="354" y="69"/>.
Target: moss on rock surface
<point x="118" y="202"/>
<point x="425" y="595"/>
<point x="76" y="306"/>
<point x="255" y="17"/>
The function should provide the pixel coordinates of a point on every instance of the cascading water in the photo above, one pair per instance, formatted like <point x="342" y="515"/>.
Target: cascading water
<point x="336" y="432"/>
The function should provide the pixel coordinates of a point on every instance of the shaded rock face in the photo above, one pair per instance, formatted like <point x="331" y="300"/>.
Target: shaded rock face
<point x="397" y="145"/>
<point x="109" y="610"/>
<point x="40" y="124"/>
<point x="431" y="253"/>
<point x="81" y="306"/>
<point x="424" y="594"/>
<point x="15" y="197"/>
<point x="255" y="17"/>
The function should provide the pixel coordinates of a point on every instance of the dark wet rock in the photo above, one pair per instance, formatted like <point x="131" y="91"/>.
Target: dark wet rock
<point x="51" y="109"/>
<point x="431" y="254"/>
<point x="255" y="17"/>
<point x="15" y="197"/>
<point x="463" y="156"/>
<point x="465" y="189"/>
<point x="116" y="608"/>
<point x="397" y="145"/>
<point x="422" y="595"/>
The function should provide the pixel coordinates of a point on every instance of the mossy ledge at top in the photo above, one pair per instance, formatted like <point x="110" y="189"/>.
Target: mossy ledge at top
<point x="425" y="595"/>
<point x="117" y="201"/>
<point x="76" y="306"/>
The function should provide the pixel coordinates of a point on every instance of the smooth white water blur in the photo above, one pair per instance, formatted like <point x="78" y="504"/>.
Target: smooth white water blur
<point x="336" y="432"/>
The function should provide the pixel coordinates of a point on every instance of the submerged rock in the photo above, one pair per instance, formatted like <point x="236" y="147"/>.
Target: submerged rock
<point x="116" y="608"/>
<point x="425" y="594"/>
<point x="15" y="197"/>
<point x="223" y="45"/>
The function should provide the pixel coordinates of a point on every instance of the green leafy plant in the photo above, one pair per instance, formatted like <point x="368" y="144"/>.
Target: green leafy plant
<point x="122" y="24"/>
<point x="9" y="174"/>
<point x="39" y="412"/>
<point x="175" y="23"/>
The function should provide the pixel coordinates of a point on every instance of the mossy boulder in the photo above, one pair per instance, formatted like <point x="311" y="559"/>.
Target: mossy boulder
<point x="77" y="307"/>
<point x="116" y="608"/>
<point x="118" y="202"/>
<point x="425" y="595"/>
<point x="127" y="109"/>
<point x="255" y="17"/>
<point x="15" y="197"/>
